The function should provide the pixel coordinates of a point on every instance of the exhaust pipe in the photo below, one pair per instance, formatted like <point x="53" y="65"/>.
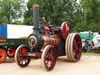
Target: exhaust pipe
<point x="36" y="16"/>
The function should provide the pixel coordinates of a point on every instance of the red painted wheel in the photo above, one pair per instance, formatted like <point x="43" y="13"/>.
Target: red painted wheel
<point x="3" y="55"/>
<point x="21" y="57"/>
<point x="11" y="52"/>
<point x="73" y="47"/>
<point x="65" y="27"/>
<point x="49" y="57"/>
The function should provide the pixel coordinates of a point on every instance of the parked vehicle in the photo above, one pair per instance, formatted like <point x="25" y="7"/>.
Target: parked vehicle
<point x="96" y="40"/>
<point x="8" y="47"/>
<point x="10" y="38"/>
<point x="87" y="42"/>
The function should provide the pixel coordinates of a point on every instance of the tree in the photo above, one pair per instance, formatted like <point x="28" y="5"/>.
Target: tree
<point x="17" y="22"/>
<point x="91" y="15"/>
<point x="54" y="11"/>
<point x="10" y="10"/>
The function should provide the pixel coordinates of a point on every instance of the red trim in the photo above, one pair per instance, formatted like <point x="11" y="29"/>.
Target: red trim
<point x="2" y="40"/>
<point x="38" y="55"/>
<point x="1" y="37"/>
<point x="46" y="28"/>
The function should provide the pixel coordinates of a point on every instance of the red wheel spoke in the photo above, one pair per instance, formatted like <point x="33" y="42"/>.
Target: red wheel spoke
<point x="78" y="47"/>
<point x="20" y="58"/>
<point x="78" y="42"/>
<point x="77" y="56"/>
<point x="0" y="54"/>
<point x="52" y="52"/>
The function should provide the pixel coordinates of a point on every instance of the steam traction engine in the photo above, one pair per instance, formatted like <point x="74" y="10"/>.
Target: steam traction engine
<point x="49" y="42"/>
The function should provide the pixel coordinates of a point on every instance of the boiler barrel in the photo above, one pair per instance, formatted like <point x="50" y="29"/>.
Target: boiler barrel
<point x="51" y="40"/>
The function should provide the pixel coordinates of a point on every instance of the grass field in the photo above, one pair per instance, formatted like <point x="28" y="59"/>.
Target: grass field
<point x="90" y="54"/>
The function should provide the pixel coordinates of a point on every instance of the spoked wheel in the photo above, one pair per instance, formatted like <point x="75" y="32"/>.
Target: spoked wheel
<point x="49" y="57"/>
<point x="65" y="27"/>
<point x="21" y="57"/>
<point x="3" y="55"/>
<point x="11" y="52"/>
<point x="73" y="47"/>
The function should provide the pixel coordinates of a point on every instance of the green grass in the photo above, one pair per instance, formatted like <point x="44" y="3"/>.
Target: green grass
<point x="90" y="54"/>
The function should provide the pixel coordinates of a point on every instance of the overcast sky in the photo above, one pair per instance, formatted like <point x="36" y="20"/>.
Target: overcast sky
<point x="26" y="0"/>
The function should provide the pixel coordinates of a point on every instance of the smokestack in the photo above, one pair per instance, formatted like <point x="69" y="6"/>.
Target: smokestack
<point x="36" y="15"/>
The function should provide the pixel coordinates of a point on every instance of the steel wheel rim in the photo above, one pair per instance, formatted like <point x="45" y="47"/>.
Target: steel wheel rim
<point x="3" y="55"/>
<point x="77" y="47"/>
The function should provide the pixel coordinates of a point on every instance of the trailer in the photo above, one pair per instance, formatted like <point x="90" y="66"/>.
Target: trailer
<point x="8" y="47"/>
<point x="11" y="36"/>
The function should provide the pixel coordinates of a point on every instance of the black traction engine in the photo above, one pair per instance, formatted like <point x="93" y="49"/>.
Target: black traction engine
<point x="49" y="42"/>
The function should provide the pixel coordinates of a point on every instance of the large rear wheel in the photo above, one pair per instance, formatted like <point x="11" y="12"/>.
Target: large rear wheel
<point x="21" y="56"/>
<point x="49" y="57"/>
<point x="73" y="47"/>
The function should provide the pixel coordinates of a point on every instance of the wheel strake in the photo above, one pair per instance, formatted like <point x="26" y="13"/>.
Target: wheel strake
<point x="73" y="47"/>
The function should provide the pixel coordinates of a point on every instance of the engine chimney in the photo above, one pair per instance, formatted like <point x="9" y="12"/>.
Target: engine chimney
<point x="36" y="16"/>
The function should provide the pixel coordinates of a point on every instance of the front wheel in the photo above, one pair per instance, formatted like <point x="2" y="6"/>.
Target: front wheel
<point x="21" y="57"/>
<point x="49" y="57"/>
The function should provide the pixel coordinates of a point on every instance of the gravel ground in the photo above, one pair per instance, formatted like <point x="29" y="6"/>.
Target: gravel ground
<point x="88" y="65"/>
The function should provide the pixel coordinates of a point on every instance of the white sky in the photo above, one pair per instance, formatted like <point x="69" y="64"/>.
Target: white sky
<point x="26" y="0"/>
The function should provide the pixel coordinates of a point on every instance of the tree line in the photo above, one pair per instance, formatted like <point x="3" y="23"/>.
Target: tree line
<point x="82" y="15"/>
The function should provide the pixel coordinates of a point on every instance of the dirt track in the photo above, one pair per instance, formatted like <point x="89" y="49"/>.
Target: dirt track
<point x="88" y="65"/>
